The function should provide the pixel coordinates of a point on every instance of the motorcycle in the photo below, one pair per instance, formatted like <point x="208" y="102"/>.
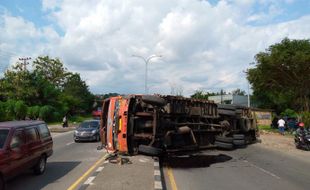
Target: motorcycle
<point x="302" y="142"/>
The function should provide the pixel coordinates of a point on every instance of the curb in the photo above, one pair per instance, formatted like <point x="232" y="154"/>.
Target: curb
<point x="157" y="175"/>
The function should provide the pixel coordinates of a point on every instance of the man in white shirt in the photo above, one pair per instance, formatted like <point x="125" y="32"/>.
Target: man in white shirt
<point x="281" y="126"/>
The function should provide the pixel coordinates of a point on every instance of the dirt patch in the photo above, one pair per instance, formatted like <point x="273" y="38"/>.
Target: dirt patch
<point x="281" y="143"/>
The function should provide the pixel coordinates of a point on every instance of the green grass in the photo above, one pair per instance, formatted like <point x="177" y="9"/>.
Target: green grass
<point x="269" y="129"/>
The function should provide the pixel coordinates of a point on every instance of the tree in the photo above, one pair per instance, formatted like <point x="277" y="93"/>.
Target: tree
<point x="238" y="92"/>
<point x="281" y="78"/>
<point x="200" y="94"/>
<point x="52" y="70"/>
<point x="76" y="94"/>
<point x="17" y="84"/>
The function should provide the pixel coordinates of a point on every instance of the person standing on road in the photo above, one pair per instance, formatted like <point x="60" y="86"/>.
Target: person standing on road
<point x="281" y="126"/>
<point x="65" y="122"/>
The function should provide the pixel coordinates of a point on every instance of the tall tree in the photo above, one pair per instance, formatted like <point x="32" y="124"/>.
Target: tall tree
<point x="76" y="94"/>
<point x="282" y="75"/>
<point x="52" y="70"/>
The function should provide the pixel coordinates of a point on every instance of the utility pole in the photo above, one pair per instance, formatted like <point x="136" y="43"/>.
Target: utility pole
<point x="249" y="103"/>
<point x="146" y="61"/>
<point x="25" y="63"/>
<point x="221" y="96"/>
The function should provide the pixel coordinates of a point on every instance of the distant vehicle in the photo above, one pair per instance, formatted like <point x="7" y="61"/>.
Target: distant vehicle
<point x="87" y="131"/>
<point x="97" y="113"/>
<point x="154" y="125"/>
<point x="23" y="145"/>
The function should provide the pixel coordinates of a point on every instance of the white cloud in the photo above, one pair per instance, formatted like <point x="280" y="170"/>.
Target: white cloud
<point x="204" y="46"/>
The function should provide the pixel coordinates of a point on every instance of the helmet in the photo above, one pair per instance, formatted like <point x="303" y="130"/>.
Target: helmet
<point x="301" y="124"/>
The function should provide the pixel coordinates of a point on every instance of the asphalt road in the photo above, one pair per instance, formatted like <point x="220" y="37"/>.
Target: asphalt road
<point x="255" y="168"/>
<point x="68" y="163"/>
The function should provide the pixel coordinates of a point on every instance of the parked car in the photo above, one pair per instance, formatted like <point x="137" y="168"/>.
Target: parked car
<point x="23" y="145"/>
<point x="87" y="131"/>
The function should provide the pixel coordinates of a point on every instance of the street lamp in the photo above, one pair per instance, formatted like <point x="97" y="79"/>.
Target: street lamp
<point x="146" y="61"/>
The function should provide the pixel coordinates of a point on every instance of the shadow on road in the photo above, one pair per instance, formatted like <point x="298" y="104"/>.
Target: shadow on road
<point x="54" y="171"/>
<point x="196" y="161"/>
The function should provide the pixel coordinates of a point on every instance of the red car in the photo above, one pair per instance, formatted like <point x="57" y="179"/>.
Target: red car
<point x="23" y="145"/>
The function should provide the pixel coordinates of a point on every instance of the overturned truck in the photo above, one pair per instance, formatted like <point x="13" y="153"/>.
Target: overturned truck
<point x="154" y="124"/>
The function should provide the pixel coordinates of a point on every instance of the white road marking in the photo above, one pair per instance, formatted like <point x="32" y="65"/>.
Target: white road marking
<point x="156" y="163"/>
<point x="69" y="143"/>
<point x="89" y="180"/>
<point x="99" y="169"/>
<point x="263" y="170"/>
<point x="158" y="185"/>
<point x="156" y="172"/>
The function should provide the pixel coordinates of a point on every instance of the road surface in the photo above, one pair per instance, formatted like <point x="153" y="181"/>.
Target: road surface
<point x="255" y="168"/>
<point x="69" y="161"/>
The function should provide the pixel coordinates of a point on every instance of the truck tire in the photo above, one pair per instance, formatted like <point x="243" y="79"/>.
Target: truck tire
<point x="153" y="100"/>
<point x="227" y="146"/>
<point x="149" y="150"/>
<point x="239" y="136"/>
<point x="239" y="142"/>
<point x="245" y="124"/>
<point x="224" y="139"/>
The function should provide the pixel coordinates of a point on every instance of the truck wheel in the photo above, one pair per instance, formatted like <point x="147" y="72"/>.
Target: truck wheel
<point x="239" y="142"/>
<point x="154" y="100"/>
<point x="149" y="150"/>
<point x="224" y="139"/>
<point x="223" y="145"/>
<point x="39" y="168"/>
<point x="238" y="136"/>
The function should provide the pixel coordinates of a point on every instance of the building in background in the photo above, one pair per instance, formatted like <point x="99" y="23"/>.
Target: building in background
<point x="230" y="99"/>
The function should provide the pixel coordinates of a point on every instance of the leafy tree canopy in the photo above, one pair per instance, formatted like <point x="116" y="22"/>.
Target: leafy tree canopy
<point x="281" y="78"/>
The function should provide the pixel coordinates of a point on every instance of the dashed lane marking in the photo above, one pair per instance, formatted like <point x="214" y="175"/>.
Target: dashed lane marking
<point x="99" y="169"/>
<point x="89" y="180"/>
<point x="69" y="143"/>
<point x="263" y="170"/>
<point x="78" y="181"/>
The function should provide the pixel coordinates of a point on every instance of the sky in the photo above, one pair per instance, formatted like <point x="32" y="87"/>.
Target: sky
<point x="204" y="44"/>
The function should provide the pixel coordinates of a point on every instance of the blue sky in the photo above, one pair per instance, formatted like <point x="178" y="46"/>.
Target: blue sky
<point x="196" y="38"/>
<point x="32" y="10"/>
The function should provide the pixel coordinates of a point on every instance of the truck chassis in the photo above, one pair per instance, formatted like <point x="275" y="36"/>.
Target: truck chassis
<point x="155" y="124"/>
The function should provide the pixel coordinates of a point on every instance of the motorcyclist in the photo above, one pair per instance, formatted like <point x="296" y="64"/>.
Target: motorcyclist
<point x="301" y="131"/>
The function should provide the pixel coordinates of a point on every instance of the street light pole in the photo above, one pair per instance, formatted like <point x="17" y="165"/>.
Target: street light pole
<point x="146" y="61"/>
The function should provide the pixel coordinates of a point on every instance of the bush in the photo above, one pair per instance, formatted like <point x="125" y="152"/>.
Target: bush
<point x="46" y="113"/>
<point x="20" y="110"/>
<point x="36" y="111"/>
<point x="57" y="116"/>
<point x="289" y="113"/>
<point x="10" y="109"/>
<point x="305" y="116"/>
<point x="2" y="111"/>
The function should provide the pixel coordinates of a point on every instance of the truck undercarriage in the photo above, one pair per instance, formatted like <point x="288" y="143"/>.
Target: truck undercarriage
<point x="154" y="124"/>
